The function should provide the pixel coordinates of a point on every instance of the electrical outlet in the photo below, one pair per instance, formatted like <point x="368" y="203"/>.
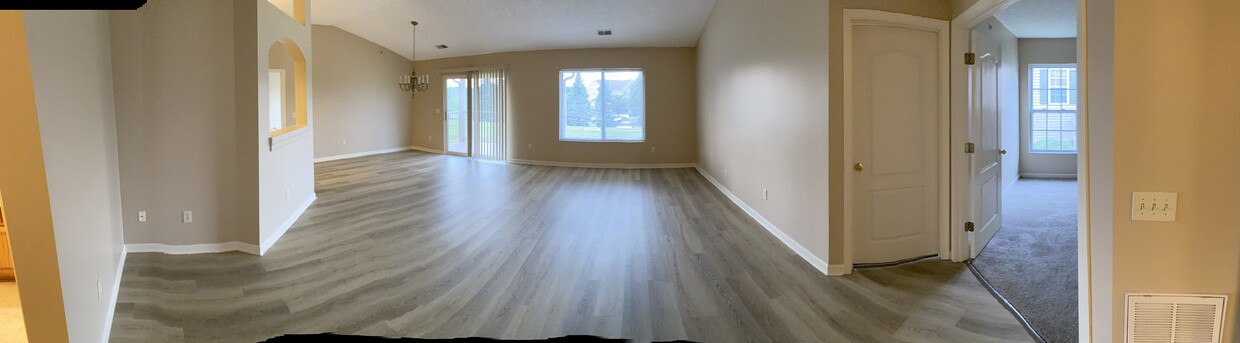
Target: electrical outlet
<point x="141" y="216"/>
<point x="765" y="195"/>
<point x="725" y="173"/>
<point x="286" y="194"/>
<point x="428" y="138"/>
<point x="529" y="147"/>
<point x="1152" y="206"/>
<point x="187" y="217"/>
<point x="99" y="284"/>
<point x="651" y="149"/>
<point x="344" y="142"/>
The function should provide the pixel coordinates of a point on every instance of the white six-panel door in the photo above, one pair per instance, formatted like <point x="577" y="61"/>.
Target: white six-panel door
<point x="895" y="109"/>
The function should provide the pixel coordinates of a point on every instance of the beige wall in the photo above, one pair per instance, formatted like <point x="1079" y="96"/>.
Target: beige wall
<point x="937" y="9"/>
<point x="534" y="114"/>
<point x="175" y="96"/>
<point x="71" y="64"/>
<point x="285" y="6"/>
<point x="286" y="174"/>
<point x="356" y="97"/>
<point x="959" y="6"/>
<point x="1035" y="51"/>
<point x="533" y="95"/>
<point x="763" y="119"/>
<point x="1176" y="125"/>
<point x="192" y="120"/>
<point x="28" y="211"/>
<point x="1009" y="97"/>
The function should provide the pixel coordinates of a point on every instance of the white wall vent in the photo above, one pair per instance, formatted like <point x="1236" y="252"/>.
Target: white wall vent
<point x="1174" y="318"/>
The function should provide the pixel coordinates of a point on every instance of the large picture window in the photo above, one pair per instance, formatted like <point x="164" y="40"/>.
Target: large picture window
<point x="1052" y="109"/>
<point x="602" y="105"/>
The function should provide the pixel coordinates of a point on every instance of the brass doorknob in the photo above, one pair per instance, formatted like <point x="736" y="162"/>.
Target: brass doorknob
<point x="859" y="167"/>
<point x="1002" y="152"/>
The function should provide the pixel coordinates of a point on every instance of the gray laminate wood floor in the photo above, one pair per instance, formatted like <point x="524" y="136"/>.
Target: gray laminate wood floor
<point x="420" y="245"/>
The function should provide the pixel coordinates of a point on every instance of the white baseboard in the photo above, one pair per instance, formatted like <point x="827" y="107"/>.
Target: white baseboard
<point x="604" y="165"/>
<point x="839" y="269"/>
<point x="116" y="293"/>
<point x="364" y="153"/>
<point x="433" y="151"/>
<point x="796" y="247"/>
<point x="193" y="248"/>
<point x="288" y="223"/>
<point x="1047" y="176"/>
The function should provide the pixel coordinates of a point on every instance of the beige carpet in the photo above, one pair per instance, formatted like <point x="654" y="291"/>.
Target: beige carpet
<point x="1032" y="259"/>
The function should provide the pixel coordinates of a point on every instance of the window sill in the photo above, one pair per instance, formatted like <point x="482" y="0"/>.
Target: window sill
<point x="598" y="141"/>
<point x="1053" y="152"/>
<point x="283" y="137"/>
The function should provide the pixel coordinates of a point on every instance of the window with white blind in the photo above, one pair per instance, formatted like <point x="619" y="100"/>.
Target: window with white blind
<point x="1052" y="108"/>
<point x="602" y="105"/>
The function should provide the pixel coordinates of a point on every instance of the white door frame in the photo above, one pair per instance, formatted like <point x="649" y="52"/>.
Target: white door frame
<point x="961" y="105"/>
<point x="853" y="17"/>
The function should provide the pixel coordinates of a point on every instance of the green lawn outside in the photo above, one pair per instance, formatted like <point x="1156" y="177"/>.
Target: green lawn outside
<point x="595" y="133"/>
<point x="1054" y="144"/>
<point x="572" y="132"/>
<point x="453" y="131"/>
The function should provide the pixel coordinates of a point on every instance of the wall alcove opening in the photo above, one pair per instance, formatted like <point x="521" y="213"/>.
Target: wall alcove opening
<point x="295" y="9"/>
<point x="285" y="90"/>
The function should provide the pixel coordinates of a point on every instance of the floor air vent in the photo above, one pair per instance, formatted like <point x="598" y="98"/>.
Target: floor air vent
<point x="1174" y="318"/>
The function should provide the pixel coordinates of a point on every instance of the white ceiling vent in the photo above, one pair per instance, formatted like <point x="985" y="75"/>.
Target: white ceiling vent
<point x="1174" y="318"/>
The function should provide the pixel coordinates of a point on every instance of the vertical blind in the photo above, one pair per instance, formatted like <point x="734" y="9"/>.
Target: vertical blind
<point x="490" y="113"/>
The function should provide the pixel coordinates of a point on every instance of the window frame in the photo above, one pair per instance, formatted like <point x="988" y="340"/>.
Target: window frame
<point x="1075" y="112"/>
<point x="563" y="113"/>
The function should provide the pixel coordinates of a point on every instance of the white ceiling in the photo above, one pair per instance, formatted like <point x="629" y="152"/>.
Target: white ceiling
<point x="1040" y="18"/>
<point x="473" y="27"/>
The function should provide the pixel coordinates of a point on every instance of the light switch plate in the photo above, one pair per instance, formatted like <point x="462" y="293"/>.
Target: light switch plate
<point x="1154" y="206"/>
<point x="187" y="217"/>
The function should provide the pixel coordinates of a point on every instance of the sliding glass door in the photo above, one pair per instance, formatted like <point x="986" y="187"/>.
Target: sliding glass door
<point x="475" y="114"/>
<point x="456" y="111"/>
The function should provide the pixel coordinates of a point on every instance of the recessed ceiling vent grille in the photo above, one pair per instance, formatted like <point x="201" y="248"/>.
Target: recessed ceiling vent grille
<point x="1174" y="318"/>
<point x="604" y="32"/>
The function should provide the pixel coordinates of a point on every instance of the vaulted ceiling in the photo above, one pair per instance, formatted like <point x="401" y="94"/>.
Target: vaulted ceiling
<point x="473" y="27"/>
<point x="1040" y="18"/>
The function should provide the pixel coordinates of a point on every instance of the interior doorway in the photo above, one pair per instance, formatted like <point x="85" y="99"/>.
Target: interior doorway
<point x="1022" y="198"/>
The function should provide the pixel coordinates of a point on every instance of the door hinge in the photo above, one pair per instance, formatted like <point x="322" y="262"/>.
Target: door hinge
<point x="968" y="148"/>
<point x="970" y="58"/>
<point x="968" y="226"/>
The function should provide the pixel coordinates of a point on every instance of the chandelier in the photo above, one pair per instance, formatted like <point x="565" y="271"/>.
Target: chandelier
<point x="413" y="82"/>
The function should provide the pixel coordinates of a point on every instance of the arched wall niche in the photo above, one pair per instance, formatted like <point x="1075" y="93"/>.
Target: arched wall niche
<point x="286" y="87"/>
